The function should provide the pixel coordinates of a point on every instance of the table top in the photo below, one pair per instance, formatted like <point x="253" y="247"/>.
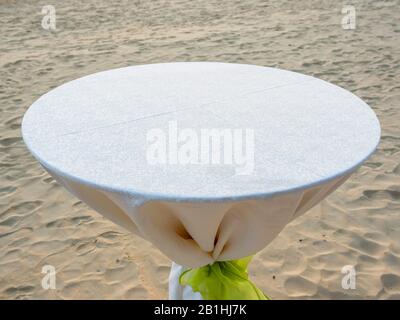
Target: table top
<point x="200" y="131"/>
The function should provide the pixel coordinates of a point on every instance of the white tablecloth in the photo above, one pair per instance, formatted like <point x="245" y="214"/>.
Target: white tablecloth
<point x="92" y="135"/>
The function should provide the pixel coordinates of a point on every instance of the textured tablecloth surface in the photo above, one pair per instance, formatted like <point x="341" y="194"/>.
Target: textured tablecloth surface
<point x="306" y="130"/>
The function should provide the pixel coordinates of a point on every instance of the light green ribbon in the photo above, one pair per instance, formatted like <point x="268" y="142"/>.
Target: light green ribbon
<point x="223" y="280"/>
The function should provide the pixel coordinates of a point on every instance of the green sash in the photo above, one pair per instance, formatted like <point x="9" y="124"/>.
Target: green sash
<point x="223" y="280"/>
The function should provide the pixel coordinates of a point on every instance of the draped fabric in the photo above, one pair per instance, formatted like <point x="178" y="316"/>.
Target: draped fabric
<point x="195" y="234"/>
<point x="223" y="280"/>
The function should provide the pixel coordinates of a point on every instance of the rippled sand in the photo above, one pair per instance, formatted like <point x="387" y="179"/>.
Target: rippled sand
<point x="40" y="223"/>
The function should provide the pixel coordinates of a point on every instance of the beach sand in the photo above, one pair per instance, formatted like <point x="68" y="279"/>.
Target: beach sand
<point x="42" y="224"/>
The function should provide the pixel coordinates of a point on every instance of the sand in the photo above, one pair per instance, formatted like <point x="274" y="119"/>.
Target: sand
<point x="41" y="224"/>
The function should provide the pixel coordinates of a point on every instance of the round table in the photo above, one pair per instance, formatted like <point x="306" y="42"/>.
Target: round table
<point x="208" y="161"/>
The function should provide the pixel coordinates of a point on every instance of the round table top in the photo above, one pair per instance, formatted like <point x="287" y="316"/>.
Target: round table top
<point x="200" y="131"/>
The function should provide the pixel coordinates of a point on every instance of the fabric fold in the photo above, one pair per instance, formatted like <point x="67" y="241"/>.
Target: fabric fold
<point x="196" y="234"/>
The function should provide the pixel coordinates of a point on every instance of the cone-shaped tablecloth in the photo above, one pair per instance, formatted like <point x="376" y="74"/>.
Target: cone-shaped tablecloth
<point x="208" y="161"/>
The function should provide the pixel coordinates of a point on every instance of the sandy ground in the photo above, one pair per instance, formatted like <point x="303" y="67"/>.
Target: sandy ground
<point x="40" y="223"/>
